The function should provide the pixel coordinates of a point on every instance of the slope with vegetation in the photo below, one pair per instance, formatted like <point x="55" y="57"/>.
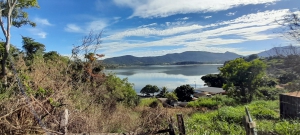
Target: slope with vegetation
<point x="176" y="58"/>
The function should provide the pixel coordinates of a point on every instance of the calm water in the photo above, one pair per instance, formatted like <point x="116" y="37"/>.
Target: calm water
<point x="171" y="76"/>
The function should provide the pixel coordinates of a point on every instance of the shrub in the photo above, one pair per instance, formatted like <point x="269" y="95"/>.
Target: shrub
<point x="213" y="102"/>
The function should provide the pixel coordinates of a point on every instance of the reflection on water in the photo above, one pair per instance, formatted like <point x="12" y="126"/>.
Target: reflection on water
<point x="170" y="76"/>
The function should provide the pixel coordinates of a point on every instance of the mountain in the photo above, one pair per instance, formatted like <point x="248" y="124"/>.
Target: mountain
<point x="285" y="50"/>
<point x="189" y="56"/>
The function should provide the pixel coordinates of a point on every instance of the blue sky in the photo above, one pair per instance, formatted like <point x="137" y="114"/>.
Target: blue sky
<point x="158" y="27"/>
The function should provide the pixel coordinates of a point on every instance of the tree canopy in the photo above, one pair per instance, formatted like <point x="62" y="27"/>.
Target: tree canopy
<point x="149" y="89"/>
<point x="163" y="92"/>
<point x="31" y="47"/>
<point x="213" y="80"/>
<point x="243" y="77"/>
<point x="184" y="92"/>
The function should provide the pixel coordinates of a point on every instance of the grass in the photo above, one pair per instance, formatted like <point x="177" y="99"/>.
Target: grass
<point x="212" y="103"/>
<point x="228" y="120"/>
<point x="147" y="102"/>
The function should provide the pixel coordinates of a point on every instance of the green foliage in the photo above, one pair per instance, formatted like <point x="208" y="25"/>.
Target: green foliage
<point x="228" y="120"/>
<point x="17" y="15"/>
<point x="171" y="96"/>
<point x="251" y="57"/>
<point x="287" y="77"/>
<point x="213" y="103"/>
<point x="213" y="80"/>
<point x="149" y="89"/>
<point x="204" y="102"/>
<point x="243" y="78"/>
<point x="184" y="92"/>
<point x="163" y="92"/>
<point x="145" y="102"/>
<point x="32" y="48"/>
<point x="121" y="90"/>
<point x="269" y="93"/>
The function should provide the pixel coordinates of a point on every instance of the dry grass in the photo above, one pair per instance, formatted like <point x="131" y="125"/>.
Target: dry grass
<point x="51" y="90"/>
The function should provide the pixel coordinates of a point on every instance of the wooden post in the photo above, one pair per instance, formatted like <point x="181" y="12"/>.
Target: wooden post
<point x="181" y="127"/>
<point x="64" y="121"/>
<point x="249" y="124"/>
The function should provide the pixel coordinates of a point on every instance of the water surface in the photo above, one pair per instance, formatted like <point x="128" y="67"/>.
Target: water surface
<point x="171" y="76"/>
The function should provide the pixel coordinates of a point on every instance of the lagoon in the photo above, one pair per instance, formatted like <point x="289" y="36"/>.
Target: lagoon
<point x="171" y="76"/>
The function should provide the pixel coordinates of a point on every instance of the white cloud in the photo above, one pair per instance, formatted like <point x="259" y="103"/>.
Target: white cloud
<point x="42" y="34"/>
<point x="206" y="17"/>
<point x="95" y="25"/>
<point x="158" y="8"/>
<point x="184" y="18"/>
<point x="148" y="25"/>
<point x="42" y="21"/>
<point x="230" y="14"/>
<point x="38" y="32"/>
<point x="73" y="28"/>
<point x="153" y="32"/>
<point x="249" y="27"/>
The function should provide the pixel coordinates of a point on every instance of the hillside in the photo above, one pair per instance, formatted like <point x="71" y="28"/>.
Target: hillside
<point x="285" y="50"/>
<point x="191" y="56"/>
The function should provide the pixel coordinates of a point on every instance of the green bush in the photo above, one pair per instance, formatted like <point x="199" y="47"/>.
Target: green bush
<point x="228" y="120"/>
<point x="213" y="102"/>
<point x="269" y="93"/>
<point x="204" y="102"/>
<point x="149" y="102"/>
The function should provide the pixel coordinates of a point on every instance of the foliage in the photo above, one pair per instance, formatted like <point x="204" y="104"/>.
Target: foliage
<point x="13" y="12"/>
<point x="213" y="103"/>
<point x="251" y="57"/>
<point x="243" y="78"/>
<point x="228" y="120"/>
<point x="269" y="93"/>
<point x="287" y="77"/>
<point x="145" y="102"/>
<point x="213" y="80"/>
<point x="120" y="90"/>
<point x="184" y="92"/>
<point x="149" y="89"/>
<point x="171" y="96"/>
<point x="32" y="48"/>
<point x="163" y="92"/>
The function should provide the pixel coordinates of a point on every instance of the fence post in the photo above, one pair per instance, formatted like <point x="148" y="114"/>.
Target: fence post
<point x="64" y="121"/>
<point x="181" y="127"/>
<point x="249" y="124"/>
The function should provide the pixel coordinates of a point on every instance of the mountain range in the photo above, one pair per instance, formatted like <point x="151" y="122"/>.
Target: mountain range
<point x="195" y="57"/>
<point x="189" y="56"/>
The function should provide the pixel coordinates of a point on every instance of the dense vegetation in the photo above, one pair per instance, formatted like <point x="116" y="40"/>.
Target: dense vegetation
<point x="37" y="86"/>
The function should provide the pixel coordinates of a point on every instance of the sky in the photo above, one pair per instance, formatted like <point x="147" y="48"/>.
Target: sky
<point x="158" y="27"/>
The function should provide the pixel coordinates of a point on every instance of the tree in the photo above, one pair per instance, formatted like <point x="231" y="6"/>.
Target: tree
<point x="149" y="89"/>
<point x="119" y="90"/>
<point x="163" y="92"/>
<point x="251" y="57"/>
<point x="12" y="12"/>
<point x="243" y="77"/>
<point x="213" y="80"/>
<point x="184" y="92"/>
<point x="31" y="47"/>
<point x="89" y="68"/>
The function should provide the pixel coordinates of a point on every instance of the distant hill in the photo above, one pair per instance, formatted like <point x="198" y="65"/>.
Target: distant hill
<point x="189" y="56"/>
<point x="285" y="50"/>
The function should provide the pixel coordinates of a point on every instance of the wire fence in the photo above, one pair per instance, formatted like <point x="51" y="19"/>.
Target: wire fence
<point x="27" y="98"/>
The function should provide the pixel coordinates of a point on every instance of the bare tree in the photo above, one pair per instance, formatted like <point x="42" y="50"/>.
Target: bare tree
<point x="85" y="55"/>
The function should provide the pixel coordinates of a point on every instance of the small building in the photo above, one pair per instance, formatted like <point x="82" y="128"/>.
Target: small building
<point x="290" y="105"/>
